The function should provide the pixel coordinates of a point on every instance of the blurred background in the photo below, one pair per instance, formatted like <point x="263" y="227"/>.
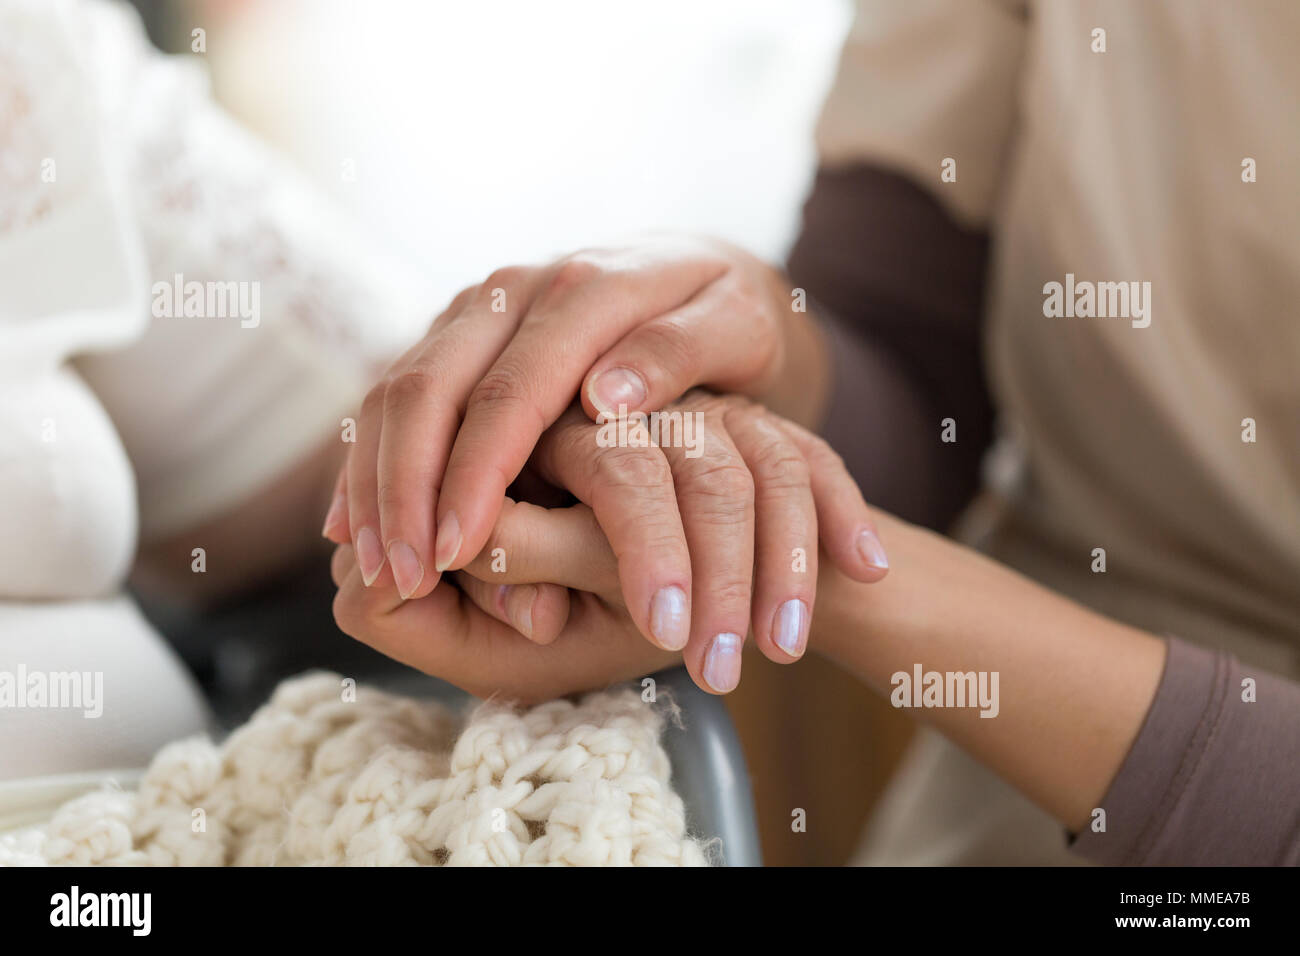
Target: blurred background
<point x="467" y="136"/>
<point x="471" y="135"/>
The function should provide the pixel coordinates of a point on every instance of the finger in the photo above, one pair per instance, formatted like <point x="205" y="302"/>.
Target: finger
<point x="448" y="635"/>
<point x="361" y="480"/>
<point x="563" y="546"/>
<point x="336" y="519"/>
<point x="630" y="490"/>
<point x="785" y="533"/>
<point x="660" y="360"/>
<point x="363" y="487"/>
<point x="423" y="402"/>
<point x="589" y="303"/>
<point x="342" y="562"/>
<point x="356" y="602"/>
<point x="537" y="611"/>
<point x="844" y="520"/>
<point x="443" y="630"/>
<point x="715" y="493"/>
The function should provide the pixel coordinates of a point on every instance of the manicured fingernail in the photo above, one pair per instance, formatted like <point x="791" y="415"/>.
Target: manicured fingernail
<point x="333" y="515"/>
<point x="521" y="601"/>
<point x="670" y="622"/>
<point x="618" y="386"/>
<point x="408" y="572"/>
<point x="448" y="544"/>
<point x="722" y="665"/>
<point x="872" y="551"/>
<point x="789" y="631"/>
<point x="370" y="555"/>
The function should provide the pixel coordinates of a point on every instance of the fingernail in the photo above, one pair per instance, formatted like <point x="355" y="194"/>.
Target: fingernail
<point x="618" y="386"/>
<point x="370" y="555"/>
<point x="448" y="544"/>
<point x="670" y="623"/>
<point x="333" y="515"/>
<point x="790" y="627"/>
<point x="408" y="572"/>
<point x="722" y="665"/>
<point x="521" y="599"/>
<point x="872" y="551"/>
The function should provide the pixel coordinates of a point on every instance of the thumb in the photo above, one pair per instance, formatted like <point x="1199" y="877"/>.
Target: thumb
<point x="696" y="344"/>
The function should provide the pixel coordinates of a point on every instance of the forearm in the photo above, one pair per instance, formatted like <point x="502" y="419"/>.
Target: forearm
<point x="1073" y="687"/>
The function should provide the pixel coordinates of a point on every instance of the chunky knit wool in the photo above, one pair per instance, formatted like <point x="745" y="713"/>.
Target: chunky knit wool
<point x="313" y="778"/>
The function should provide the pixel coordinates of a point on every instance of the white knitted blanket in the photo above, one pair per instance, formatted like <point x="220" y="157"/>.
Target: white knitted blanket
<point x="314" y="778"/>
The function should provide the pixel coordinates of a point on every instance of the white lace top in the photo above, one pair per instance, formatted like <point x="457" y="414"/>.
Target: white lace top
<point x="122" y="413"/>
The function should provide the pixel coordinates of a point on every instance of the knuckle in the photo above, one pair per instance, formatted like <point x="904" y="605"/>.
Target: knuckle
<point x="783" y="470"/>
<point x="727" y="481"/>
<point x="408" y="389"/>
<point x="661" y="541"/>
<point x="457" y="309"/>
<point x="569" y="443"/>
<point x="463" y="296"/>
<point x="633" y="467"/>
<point x="390" y="499"/>
<point x="734" y="408"/>
<point x="575" y="271"/>
<point x="778" y="463"/>
<point x="503" y="387"/>
<point x="507" y="277"/>
<point x="730" y="592"/>
<point x="374" y="400"/>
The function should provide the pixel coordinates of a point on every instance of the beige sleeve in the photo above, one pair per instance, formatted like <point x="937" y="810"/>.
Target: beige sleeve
<point x="924" y="81"/>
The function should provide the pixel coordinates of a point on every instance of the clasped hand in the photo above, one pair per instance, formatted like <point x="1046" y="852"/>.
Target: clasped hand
<point x="575" y="560"/>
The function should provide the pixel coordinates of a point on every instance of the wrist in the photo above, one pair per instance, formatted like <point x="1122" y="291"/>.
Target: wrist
<point x="940" y="600"/>
<point x="863" y="627"/>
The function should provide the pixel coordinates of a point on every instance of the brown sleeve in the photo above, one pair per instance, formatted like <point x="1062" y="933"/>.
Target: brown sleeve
<point x="1212" y="779"/>
<point x="899" y="287"/>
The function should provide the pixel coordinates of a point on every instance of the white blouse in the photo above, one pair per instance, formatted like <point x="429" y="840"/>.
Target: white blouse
<point x="125" y="414"/>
